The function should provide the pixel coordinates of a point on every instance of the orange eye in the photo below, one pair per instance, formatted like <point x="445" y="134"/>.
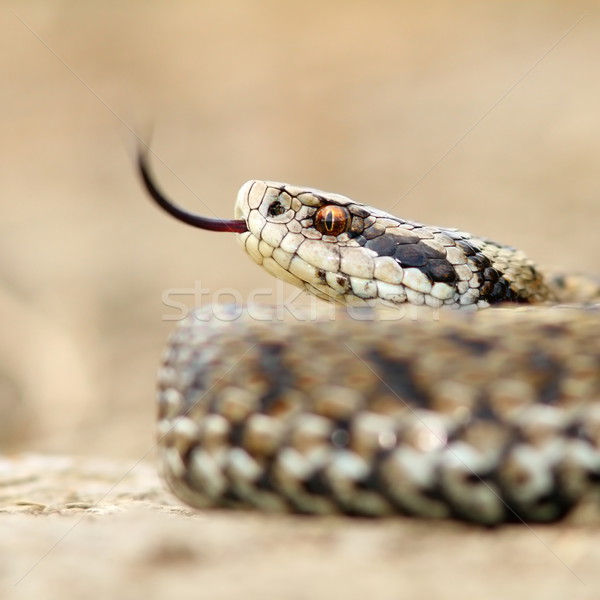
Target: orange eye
<point x="332" y="220"/>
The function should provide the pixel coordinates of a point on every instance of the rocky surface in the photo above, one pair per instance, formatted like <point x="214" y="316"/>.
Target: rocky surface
<point x="91" y="528"/>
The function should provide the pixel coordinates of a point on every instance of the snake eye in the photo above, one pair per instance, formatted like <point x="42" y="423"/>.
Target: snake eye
<point x="332" y="220"/>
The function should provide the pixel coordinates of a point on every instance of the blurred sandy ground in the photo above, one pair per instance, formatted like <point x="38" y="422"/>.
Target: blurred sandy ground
<point x="479" y="115"/>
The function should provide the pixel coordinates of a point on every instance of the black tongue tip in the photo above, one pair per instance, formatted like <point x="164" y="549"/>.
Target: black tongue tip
<point x="230" y="225"/>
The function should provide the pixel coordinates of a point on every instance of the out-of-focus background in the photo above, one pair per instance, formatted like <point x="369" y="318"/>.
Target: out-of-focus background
<point x="479" y="115"/>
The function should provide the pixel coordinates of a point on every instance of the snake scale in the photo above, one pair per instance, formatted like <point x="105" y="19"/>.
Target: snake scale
<point x="488" y="416"/>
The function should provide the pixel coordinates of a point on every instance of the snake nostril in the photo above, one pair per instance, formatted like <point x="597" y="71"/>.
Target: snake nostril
<point x="275" y="209"/>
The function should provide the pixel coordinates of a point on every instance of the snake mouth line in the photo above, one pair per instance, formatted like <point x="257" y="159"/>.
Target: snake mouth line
<point x="230" y="225"/>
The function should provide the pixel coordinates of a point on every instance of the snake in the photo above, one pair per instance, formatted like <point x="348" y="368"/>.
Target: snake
<point x="483" y="404"/>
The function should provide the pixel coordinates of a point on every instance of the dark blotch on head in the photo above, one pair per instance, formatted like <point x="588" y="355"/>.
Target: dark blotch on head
<point x="491" y="274"/>
<point x="405" y="237"/>
<point x="372" y="232"/>
<point x="440" y="271"/>
<point x="467" y="248"/>
<point x="500" y="291"/>
<point x="384" y="245"/>
<point x="416" y="255"/>
<point x="478" y="275"/>
<point x="410" y="256"/>
<point x="480" y="261"/>
<point x="486" y="289"/>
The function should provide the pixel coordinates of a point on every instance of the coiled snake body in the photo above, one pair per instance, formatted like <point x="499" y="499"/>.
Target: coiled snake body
<point x="484" y="415"/>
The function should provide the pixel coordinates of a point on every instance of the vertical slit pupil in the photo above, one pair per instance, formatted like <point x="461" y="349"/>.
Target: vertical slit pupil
<point x="332" y="220"/>
<point x="329" y="221"/>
